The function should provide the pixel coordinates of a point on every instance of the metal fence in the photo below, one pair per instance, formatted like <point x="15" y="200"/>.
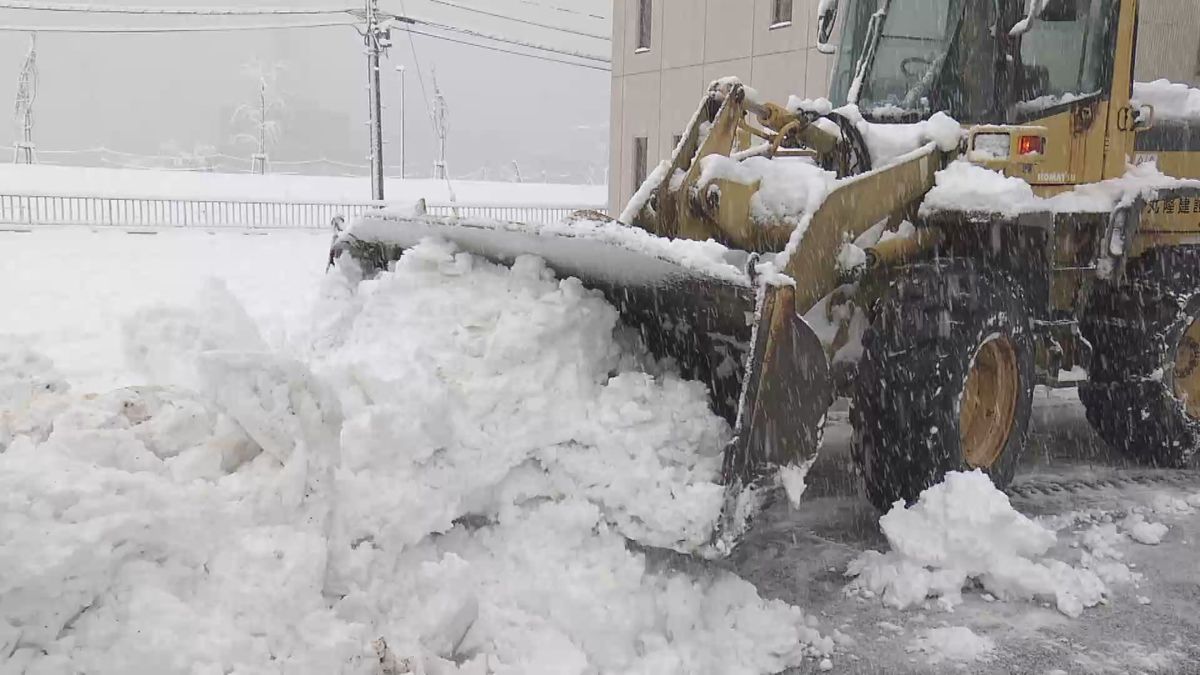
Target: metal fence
<point x="152" y="212"/>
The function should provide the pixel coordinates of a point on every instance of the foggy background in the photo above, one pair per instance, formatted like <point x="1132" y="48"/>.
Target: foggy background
<point x="161" y="97"/>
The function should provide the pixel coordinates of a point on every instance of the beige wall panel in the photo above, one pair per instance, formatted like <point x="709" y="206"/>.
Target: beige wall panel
<point x="682" y="90"/>
<point x="777" y="76"/>
<point x="820" y="69"/>
<point x="683" y="33"/>
<point x="729" y="32"/>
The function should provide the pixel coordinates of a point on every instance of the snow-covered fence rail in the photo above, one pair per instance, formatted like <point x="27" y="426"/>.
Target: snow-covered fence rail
<point x="157" y="212"/>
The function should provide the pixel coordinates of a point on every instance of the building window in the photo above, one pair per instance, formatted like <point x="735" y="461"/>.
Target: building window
<point x="781" y="15"/>
<point x="643" y="37"/>
<point x="641" y="147"/>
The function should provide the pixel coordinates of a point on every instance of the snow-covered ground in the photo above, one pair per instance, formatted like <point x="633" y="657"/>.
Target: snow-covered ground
<point x="103" y="182"/>
<point x="215" y="458"/>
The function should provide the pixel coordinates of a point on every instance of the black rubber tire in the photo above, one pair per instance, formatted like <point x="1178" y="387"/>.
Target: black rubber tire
<point x="1135" y="329"/>
<point x="916" y="358"/>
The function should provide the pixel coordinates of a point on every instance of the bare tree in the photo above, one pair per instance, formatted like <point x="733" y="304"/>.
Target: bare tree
<point x="261" y="116"/>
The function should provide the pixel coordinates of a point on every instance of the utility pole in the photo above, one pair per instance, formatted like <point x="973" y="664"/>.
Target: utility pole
<point x="24" y="150"/>
<point x="377" y="39"/>
<point x="403" y="109"/>
<point x="259" y="160"/>
<point x="440" y="128"/>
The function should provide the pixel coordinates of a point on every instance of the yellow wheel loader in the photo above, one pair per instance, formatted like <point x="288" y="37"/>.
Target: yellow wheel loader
<point x="836" y="264"/>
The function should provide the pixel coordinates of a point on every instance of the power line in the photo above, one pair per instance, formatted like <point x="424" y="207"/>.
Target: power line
<point x="527" y="22"/>
<point x="564" y="10"/>
<point x="171" y="29"/>
<point x="497" y="38"/>
<point x="185" y="11"/>
<point x="508" y="51"/>
<point x="412" y="47"/>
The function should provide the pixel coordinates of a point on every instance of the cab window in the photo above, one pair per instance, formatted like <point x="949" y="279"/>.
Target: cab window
<point x="1066" y="55"/>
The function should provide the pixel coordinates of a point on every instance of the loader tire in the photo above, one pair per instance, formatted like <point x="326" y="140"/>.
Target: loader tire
<point x="1143" y="393"/>
<point x="945" y="382"/>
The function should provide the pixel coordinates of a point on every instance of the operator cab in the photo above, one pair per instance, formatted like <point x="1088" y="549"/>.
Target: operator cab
<point x="903" y="60"/>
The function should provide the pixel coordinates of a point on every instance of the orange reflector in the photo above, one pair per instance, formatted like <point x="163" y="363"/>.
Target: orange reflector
<point x="1028" y="145"/>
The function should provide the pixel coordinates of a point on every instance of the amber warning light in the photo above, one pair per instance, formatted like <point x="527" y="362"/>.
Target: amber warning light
<point x="1029" y="145"/>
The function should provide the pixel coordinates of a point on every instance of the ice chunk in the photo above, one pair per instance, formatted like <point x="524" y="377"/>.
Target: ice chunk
<point x="964" y="529"/>
<point x="1143" y="532"/>
<point x="955" y="643"/>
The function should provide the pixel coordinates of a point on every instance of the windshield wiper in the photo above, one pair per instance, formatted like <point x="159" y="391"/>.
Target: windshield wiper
<point x="867" y="60"/>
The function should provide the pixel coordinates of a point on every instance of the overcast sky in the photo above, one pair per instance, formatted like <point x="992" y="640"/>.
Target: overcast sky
<point x="150" y="94"/>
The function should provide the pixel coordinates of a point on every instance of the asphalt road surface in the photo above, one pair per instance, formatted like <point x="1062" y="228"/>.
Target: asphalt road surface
<point x="800" y="555"/>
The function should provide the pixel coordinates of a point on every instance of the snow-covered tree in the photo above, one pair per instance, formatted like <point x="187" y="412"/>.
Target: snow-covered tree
<point x="261" y="116"/>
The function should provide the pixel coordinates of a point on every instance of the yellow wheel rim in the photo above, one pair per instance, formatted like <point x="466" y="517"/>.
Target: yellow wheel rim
<point x="989" y="403"/>
<point x="1187" y="370"/>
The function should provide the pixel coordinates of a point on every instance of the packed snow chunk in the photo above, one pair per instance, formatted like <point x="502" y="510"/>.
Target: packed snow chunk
<point x="962" y="530"/>
<point x="163" y="343"/>
<point x="794" y="479"/>
<point x="31" y="392"/>
<point x="25" y="375"/>
<point x="963" y="186"/>
<point x="1103" y="554"/>
<point x="788" y="188"/>
<point x="1171" y="101"/>
<point x="1142" y="531"/>
<point x="890" y="143"/>
<point x="944" y="131"/>
<point x="955" y="643"/>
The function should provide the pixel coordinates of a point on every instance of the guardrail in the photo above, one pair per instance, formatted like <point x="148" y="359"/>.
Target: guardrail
<point x="155" y="212"/>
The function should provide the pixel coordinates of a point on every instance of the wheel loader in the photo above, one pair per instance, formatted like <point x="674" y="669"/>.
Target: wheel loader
<point x="936" y="320"/>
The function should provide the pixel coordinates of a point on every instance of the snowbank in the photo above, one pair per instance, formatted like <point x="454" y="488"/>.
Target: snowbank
<point x="964" y="530"/>
<point x="102" y="182"/>
<point x="442" y="480"/>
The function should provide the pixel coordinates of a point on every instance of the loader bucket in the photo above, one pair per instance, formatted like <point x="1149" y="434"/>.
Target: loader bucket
<point x="766" y="370"/>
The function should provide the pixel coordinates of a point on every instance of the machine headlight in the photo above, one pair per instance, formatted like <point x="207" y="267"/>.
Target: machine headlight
<point x="990" y="147"/>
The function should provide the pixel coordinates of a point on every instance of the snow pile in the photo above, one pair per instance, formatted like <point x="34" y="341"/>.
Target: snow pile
<point x="955" y="643"/>
<point x="968" y="187"/>
<point x="963" y="186"/>
<point x="1170" y="100"/>
<point x="964" y="530"/>
<point x="29" y="385"/>
<point x="788" y="188"/>
<point x="443" y="483"/>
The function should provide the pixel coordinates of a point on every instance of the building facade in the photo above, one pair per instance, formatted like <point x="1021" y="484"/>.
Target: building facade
<point x="665" y="52"/>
